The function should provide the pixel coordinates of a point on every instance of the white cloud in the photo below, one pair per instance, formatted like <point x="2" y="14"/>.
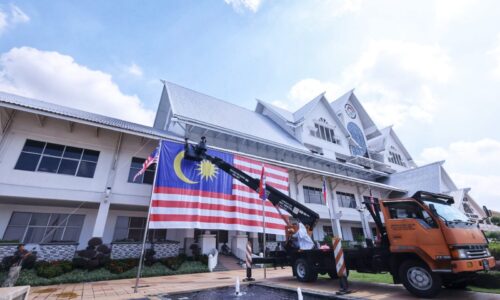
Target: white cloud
<point x="304" y="90"/>
<point x="392" y="78"/>
<point x="134" y="70"/>
<point x="242" y="5"/>
<point x="342" y="7"/>
<point x="17" y="15"/>
<point x="57" y="78"/>
<point x="472" y="164"/>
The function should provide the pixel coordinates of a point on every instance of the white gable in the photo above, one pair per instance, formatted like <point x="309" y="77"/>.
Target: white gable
<point x="318" y="119"/>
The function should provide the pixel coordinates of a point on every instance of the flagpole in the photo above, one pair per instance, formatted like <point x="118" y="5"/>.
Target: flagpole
<point x="264" y="232"/>
<point x="139" y="269"/>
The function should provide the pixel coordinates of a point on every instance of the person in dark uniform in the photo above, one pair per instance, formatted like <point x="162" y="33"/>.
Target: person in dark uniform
<point x="20" y="255"/>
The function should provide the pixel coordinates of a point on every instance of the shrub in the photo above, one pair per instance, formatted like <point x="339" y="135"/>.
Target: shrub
<point x="94" y="256"/>
<point x="495" y="250"/>
<point x="490" y="280"/>
<point x="204" y="259"/>
<point x="174" y="263"/>
<point x="103" y="249"/>
<point x="149" y="258"/>
<point x="7" y="262"/>
<point x="118" y="266"/>
<point x="52" y="269"/>
<point x="95" y="241"/>
<point x="29" y="261"/>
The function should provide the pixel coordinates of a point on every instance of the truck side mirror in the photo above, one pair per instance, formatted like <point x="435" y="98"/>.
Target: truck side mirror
<point x="487" y="211"/>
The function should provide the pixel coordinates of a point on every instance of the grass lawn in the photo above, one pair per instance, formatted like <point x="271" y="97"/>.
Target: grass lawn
<point x="488" y="282"/>
<point x="29" y="277"/>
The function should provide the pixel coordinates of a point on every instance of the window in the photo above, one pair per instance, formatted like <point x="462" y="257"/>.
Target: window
<point x="327" y="231"/>
<point x="313" y="195"/>
<point x="269" y="237"/>
<point x="55" y="158"/>
<point x="357" y="233"/>
<point x="395" y="158"/>
<point x="131" y="229"/>
<point x="27" y="227"/>
<point x="325" y="133"/>
<point x="136" y="166"/>
<point x="346" y="200"/>
<point x="410" y="210"/>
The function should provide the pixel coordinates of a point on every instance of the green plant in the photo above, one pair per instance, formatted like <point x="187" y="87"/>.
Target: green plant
<point x="487" y="280"/>
<point x="52" y="269"/>
<point x="495" y="220"/>
<point x="493" y="235"/>
<point x="119" y="266"/>
<point x="174" y="263"/>
<point x="495" y="250"/>
<point x="327" y="240"/>
<point x="204" y="259"/>
<point x="96" y="255"/>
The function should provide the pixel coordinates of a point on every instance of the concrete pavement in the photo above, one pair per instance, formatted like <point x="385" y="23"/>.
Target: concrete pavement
<point x="152" y="286"/>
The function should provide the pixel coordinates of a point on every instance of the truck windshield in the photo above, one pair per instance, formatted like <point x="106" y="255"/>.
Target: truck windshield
<point x="448" y="212"/>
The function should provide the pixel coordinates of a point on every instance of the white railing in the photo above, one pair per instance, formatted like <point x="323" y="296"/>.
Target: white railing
<point x="212" y="259"/>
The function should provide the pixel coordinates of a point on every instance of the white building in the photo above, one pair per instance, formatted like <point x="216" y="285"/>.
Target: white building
<point x="56" y="161"/>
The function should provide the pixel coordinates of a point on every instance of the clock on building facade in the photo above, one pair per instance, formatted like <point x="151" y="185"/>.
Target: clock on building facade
<point x="358" y="136"/>
<point x="351" y="112"/>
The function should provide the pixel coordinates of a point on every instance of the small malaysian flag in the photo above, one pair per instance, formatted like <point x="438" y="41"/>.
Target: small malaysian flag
<point x="324" y="192"/>
<point x="152" y="159"/>
<point x="262" y="185"/>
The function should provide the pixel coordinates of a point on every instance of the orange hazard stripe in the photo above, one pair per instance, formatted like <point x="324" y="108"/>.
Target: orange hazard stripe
<point x="335" y="243"/>
<point x="339" y="256"/>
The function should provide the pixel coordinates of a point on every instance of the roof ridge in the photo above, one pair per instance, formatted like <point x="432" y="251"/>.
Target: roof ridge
<point x="215" y="98"/>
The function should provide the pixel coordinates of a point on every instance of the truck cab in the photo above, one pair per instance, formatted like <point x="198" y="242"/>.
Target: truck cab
<point x="431" y="243"/>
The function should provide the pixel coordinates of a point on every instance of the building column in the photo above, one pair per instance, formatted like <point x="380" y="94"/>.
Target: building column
<point x="207" y="242"/>
<point x="335" y="210"/>
<point x="102" y="217"/>
<point x="239" y="245"/>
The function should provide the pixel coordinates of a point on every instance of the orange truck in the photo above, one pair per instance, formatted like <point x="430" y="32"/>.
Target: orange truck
<point x="424" y="243"/>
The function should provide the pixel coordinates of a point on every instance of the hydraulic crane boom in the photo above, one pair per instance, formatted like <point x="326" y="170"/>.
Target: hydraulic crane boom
<point x="297" y="210"/>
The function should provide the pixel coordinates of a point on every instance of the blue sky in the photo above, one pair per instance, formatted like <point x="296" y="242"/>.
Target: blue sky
<point x="430" y="68"/>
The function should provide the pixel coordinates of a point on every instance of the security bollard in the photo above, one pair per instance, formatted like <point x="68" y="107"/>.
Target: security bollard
<point x="249" y="262"/>
<point x="340" y="266"/>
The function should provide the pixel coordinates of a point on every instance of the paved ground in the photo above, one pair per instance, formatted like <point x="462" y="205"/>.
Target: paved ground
<point x="149" y="287"/>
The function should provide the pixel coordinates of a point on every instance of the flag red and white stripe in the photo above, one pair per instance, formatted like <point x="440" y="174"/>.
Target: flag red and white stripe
<point x="274" y="176"/>
<point x="324" y="192"/>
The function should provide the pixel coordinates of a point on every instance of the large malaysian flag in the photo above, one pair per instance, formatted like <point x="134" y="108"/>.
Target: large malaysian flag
<point x="192" y="194"/>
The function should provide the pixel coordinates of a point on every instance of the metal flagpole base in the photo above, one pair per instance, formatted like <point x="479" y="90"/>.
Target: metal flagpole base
<point x="249" y="275"/>
<point x="344" y="286"/>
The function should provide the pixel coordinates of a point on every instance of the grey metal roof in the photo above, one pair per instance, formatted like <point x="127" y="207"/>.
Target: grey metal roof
<point x="64" y="111"/>
<point x="281" y="112"/>
<point x="208" y="111"/>
<point x="304" y="110"/>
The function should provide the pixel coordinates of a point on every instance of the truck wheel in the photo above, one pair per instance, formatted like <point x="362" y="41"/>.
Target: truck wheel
<point x="419" y="280"/>
<point x="304" y="271"/>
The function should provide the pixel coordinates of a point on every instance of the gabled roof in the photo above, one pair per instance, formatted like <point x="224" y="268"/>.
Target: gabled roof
<point x="369" y="126"/>
<point x="379" y="143"/>
<point x="282" y="113"/>
<point x="42" y="107"/>
<point x="302" y="112"/>
<point x="205" y="111"/>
